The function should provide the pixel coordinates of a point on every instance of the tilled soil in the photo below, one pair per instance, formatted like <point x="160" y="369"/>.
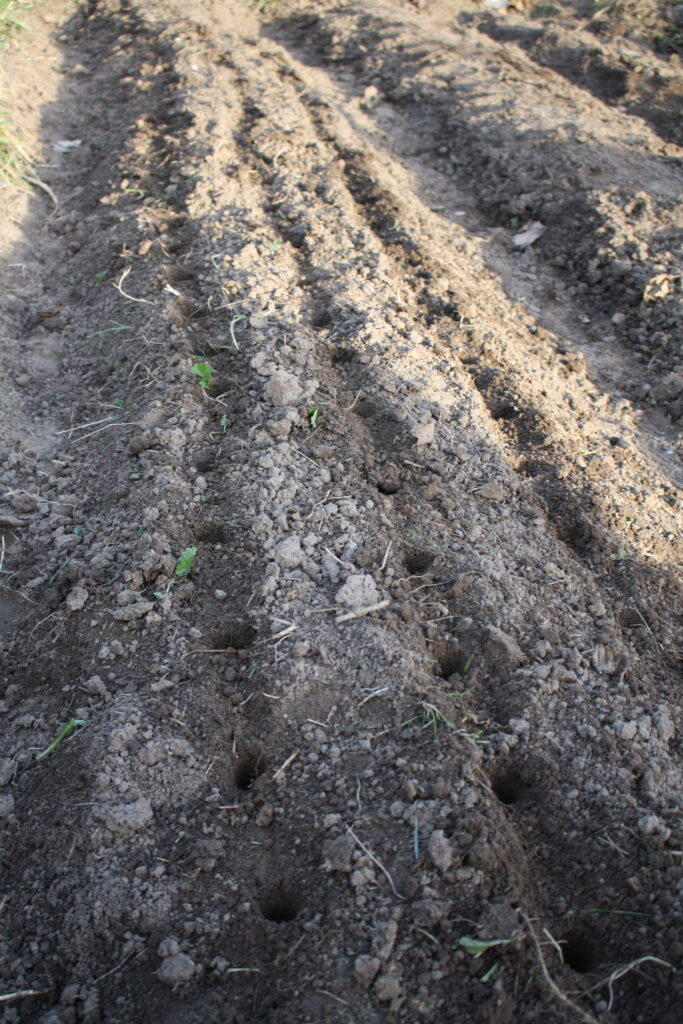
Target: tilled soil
<point x="419" y="686"/>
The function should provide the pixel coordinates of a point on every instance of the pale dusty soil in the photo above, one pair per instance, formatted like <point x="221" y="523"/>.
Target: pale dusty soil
<point x="423" y="680"/>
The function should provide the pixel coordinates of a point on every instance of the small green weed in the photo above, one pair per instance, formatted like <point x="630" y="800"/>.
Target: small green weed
<point x="204" y="371"/>
<point x="73" y="723"/>
<point x="473" y="737"/>
<point x="313" y="416"/>
<point x="15" y="163"/>
<point x="186" y="558"/>
<point x="429" y="717"/>
<point x="476" y="947"/>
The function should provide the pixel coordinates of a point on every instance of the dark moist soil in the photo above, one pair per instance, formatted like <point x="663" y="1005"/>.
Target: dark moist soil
<point x="416" y="682"/>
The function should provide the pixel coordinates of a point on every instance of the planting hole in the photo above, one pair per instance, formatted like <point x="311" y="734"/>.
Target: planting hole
<point x="280" y="905"/>
<point x="417" y="562"/>
<point x="579" y="953"/>
<point x="212" y="532"/>
<point x="389" y="486"/>
<point x="504" y="411"/>
<point x="508" y="787"/>
<point x="342" y="355"/>
<point x="450" y="660"/>
<point x="251" y="764"/>
<point x="322" y="317"/>
<point x="237" y="636"/>
<point x="364" y="408"/>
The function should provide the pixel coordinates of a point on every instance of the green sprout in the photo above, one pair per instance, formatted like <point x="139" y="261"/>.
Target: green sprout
<point x="313" y="416"/>
<point x="476" y="947"/>
<point x="430" y="717"/>
<point x="205" y="373"/>
<point x="72" y="724"/>
<point x="102" y="276"/>
<point x="183" y="566"/>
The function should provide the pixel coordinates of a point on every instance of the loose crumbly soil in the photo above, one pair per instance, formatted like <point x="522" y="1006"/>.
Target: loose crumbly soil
<point x="422" y="682"/>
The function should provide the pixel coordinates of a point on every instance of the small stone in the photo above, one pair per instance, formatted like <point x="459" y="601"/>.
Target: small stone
<point x="664" y="726"/>
<point x="427" y="913"/>
<point x="493" y="490"/>
<point x="288" y="553"/>
<point x="125" y="819"/>
<point x="365" y="969"/>
<point x="440" y="850"/>
<point x="7" y="769"/>
<point x="387" y="988"/>
<point x="383" y="939"/>
<point x="283" y="389"/>
<point x="168" y="947"/>
<point x="330" y="820"/>
<point x="176" y="969"/>
<point x="625" y="730"/>
<point x="76" y="599"/>
<point x="133" y="611"/>
<point x="338" y="853"/>
<point x="604" y="660"/>
<point x="423" y="432"/>
<point x="6" y="805"/>
<point x="650" y="825"/>
<point x="359" y="591"/>
<point x="220" y="595"/>
<point x="504" y="650"/>
<point x="264" y="816"/>
<point x="95" y="686"/>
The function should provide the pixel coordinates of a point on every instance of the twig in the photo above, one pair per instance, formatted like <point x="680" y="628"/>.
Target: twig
<point x="11" y="996"/>
<point x="386" y="555"/>
<point x="82" y="426"/>
<point x="291" y="628"/>
<point x="552" y="985"/>
<point x="113" y="970"/>
<point x="360" y="612"/>
<point x="619" y="972"/>
<point x="45" y="188"/>
<point x="375" y="861"/>
<point x="286" y="764"/>
<point x="119" y="287"/>
<point x="235" y="320"/>
<point x="210" y="650"/>
<point x="375" y="693"/>
<point x="2" y="552"/>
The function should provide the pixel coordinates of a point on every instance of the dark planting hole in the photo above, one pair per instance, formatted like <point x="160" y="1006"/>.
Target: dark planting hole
<point x="579" y="953"/>
<point x="417" y="562"/>
<point x="322" y="317"/>
<point x="211" y="531"/>
<point x="632" y="619"/>
<point x="578" y="533"/>
<point x="251" y="764"/>
<point x="532" y="467"/>
<point x="508" y="788"/>
<point x="342" y="355"/>
<point x="504" y="411"/>
<point x="364" y="408"/>
<point x="280" y="906"/>
<point x="389" y="486"/>
<point x="206" y="462"/>
<point x="236" y="635"/>
<point x="450" y="661"/>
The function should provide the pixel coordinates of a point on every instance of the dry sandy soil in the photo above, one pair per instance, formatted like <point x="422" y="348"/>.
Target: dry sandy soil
<point x="420" y="686"/>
